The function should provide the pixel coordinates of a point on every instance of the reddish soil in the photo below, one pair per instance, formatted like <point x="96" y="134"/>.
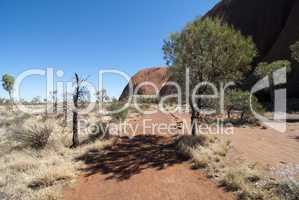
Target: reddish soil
<point x="145" y="167"/>
<point x="267" y="147"/>
<point x="254" y="144"/>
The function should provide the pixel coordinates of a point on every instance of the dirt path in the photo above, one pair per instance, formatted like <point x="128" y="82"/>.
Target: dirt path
<point x="147" y="167"/>
<point x="254" y="144"/>
<point x="267" y="147"/>
<point x="143" y="168"/>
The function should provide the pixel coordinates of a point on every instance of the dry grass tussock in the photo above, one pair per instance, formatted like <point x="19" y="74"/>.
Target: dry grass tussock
<point x="36" y="161"/>
<point x="209" y="153"/>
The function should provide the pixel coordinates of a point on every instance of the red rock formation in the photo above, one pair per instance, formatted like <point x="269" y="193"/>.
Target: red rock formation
<point x="157" y="76"/>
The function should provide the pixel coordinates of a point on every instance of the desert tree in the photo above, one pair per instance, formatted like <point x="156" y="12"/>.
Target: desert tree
<point x="115" y="106"/>
<point x="242" y="101"/>
<point x="213" y="52"/>
<point x="101" y="97"/>
<point x="8" y="84"/>
<point x="79" y="98"/>
<point x="267" y="69"/>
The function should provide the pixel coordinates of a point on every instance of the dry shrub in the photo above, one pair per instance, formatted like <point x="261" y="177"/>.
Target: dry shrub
<point x="201" y="157"/>
<point x="51" y="193"/>
<point x="221" y="149"/>
<point x="46" y="177"/>
<point x="187" y="143"/>
<point x="23" y="164"/>
<point x="97" y="145"/>
<point x="285" y="190"/>
<point x="236" y="178"/>
<point x="251" y="185"/>
<point x="35" y="135"/>
<point x="42" y="164"/>
<point x="243" y="179"/>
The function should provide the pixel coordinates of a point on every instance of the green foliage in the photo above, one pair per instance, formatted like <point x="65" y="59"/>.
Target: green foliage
<point x="211" y="49"/>
<point x="266" y="69"/>
<point x="149" y="100"/>
<point x="295" y="51"/>
<point x="118" y="113"/>
<point x="8" y="83"/>
<point x="240" y="101"/>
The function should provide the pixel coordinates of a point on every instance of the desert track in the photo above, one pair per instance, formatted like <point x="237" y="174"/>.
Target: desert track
<point x="146" y="166"/>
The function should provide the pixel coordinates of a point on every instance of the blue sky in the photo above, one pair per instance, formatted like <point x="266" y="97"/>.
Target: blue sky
<point x="87" y="36"/>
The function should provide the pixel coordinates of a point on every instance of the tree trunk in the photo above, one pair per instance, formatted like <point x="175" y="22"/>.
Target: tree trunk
<point x="65" y="108"/>
<point x="194" y="119"/>
<point x="55" y="105"/>
<point x="11" y="101"/>
<point x="75" y="130"/>
<point x="242" y="117"/>
<point x="272" y="93"/>
<point x="75" y="113"/>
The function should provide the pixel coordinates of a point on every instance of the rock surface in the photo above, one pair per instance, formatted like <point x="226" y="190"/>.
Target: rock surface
<point x="273" y="25"/>
<point x="156" y="76"/>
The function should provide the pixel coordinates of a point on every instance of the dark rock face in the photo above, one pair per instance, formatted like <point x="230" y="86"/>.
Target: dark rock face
<point x="273" y="25"/>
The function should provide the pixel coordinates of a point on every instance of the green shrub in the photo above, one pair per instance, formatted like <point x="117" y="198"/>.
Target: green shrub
<point x="295" y="51"/>
<point x="147" y="100"/>
<point x="115" y="106"/>
<point x="240" y="101"/>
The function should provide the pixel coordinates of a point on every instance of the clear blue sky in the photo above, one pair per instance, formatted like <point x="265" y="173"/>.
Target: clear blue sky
<point x="85" y="36"/>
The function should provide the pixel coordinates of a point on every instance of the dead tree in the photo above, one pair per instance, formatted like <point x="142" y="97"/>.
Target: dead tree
<point x="64" y="107"/>
<point x="75" y="111"/>
<point x="78" y="97"/>
<point x="54" y="101"/>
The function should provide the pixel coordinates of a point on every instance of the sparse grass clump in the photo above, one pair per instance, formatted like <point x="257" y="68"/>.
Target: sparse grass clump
<point x="235" y="179"/>
<point x="186" y="144"/>
<point x="206" y="151"/>
<point x="35" y="136"/>
<point x="47" y="177"/>
<point x="38" y="162"/>
<point x="209" y="154"/>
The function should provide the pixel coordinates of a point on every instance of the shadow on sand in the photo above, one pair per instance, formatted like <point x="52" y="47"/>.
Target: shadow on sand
<point x="129" y="157"/>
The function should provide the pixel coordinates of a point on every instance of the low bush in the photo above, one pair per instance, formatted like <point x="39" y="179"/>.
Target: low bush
<point x="35" y="136"/>
<point x="240" y="101"/>
<point x="114" y="107"/>
<point x="241" y="178"/>
<point x="185" y="144"/>
<point x="36" y="161"/>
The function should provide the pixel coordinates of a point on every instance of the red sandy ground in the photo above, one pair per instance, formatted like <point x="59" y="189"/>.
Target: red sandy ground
<point x="147" y="167"/>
